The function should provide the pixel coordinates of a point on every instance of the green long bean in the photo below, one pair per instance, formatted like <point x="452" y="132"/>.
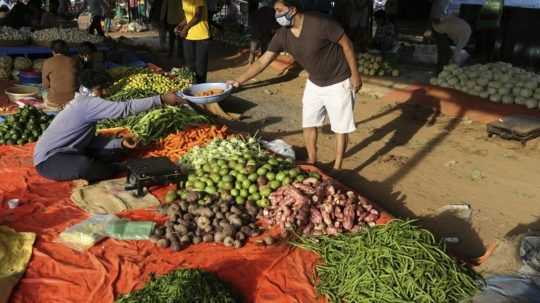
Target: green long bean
<point x="396" y="262"/>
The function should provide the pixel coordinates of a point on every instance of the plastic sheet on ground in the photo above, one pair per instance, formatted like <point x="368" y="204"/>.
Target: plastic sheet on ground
<point x="57" y="273"/>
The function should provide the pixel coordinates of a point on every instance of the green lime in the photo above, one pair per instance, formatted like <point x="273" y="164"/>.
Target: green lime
<point x="233" y="173"/>
<point x="199" y="185"/>
<point x="238" y="185"/>
<point x="223" y="172"/>
<point x="235" y="192"/>
<point x="191" y="178"/>
<point x="241" y="177"/>
<point x="244" y="193"/>
<point x="209" y="183"/>
<point x="2" y="141"/>
<point x="215" y="178"/>
<point x="221" y="162"/>
<point x="255" y="196"/>
<point x="263" y="203"/>
<point x="294" y="172"/>
<point x="227" y="185"/>
<point x="215" y="169"/>
<point x="262" y="171"/>
<point x="20" y="142"/>
<point x="250" y="169"/>
<point x="206" y="168"/>
<point x="265" y="191"/>
<point x="246" y="184"/>
<point x="300" y="178"/>
<point x="280" y="176"/>
<point x="239" y="167"/>
<point x="273" y="161"/>
<point x="286" y="180"/>
<point x="267" y="166"/>
<point x="253" y="177"/>
<point x="253" y="189"/>
<point x="270" y="176"/>
<point x="275" y="184"/>
<point x="227" y="178"/>
<point x="210" y="190"/>
<point x="240" y="200"/>
<point x="231" y="164"/>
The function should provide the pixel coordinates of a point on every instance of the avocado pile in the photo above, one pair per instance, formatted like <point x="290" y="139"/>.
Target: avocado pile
<point x="25" y="126"/>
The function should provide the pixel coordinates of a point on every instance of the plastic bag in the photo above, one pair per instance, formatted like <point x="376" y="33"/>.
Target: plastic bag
<point x="87" y="233"/>
<point x="530" y="252"/>
<point x="509" y="289"/>
<point x="129" y="230"/>
<point x="280" y="147"/>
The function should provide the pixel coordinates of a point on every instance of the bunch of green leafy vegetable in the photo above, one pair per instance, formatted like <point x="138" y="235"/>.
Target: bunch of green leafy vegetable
<point x="182" y="286"/>
<point x="396" y="262"/>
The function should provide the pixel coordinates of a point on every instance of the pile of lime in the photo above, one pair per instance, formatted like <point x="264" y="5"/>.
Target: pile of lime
<point x="239" y="169"/>
<point x="244" y="179"/>
<point x="25" y="126"/>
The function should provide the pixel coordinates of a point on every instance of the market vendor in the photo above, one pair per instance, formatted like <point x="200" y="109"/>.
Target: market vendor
<point x="69" y="149"/>
<point x="320" y="45"/>
<point x="386" y="38"/>
<point x="449" y="27"/>
<point x="58" y="77"/>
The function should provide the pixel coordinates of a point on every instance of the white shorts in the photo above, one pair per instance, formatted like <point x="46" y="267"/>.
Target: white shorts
<point x="336" y="101"/>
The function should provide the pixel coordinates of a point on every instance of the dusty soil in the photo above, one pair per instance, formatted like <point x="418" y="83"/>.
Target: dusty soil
<point x="406" y="158"/>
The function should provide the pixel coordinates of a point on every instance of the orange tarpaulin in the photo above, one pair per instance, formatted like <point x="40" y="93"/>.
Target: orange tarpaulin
<point x="57" y="273"/>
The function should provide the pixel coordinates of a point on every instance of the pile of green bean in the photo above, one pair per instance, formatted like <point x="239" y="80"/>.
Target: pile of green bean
<point x="155" y="124"/>
<point x="160" y="122"/>
<point x="183" y="286"/>
<point x="396" y="262"/>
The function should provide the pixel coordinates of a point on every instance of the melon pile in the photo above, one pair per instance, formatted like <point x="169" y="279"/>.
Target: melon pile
<point x="499" y="82"/>
<point x="374" y="65"/>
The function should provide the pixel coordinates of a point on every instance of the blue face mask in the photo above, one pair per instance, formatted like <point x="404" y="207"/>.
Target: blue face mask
<point x="285" y="19"/>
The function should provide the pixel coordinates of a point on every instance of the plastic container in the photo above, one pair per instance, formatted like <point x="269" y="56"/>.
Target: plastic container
<point x="17" y="92"/>
<point x="191" y="92"/>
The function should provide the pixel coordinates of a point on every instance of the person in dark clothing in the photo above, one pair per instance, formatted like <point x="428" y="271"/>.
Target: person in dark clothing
<point x="155" y="19"/>
<point x="262" y="26"/>
<point x="320" y="45"/>
<point x="69" y="148"/>
<point x="90" y="58"/>
<point x="19" y="16"/>
<point x="171" y="15"/>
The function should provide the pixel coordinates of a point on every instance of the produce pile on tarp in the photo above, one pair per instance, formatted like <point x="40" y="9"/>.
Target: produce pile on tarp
<point x="499" y="82"/>
<point x="25" y="126"/>
<point x="232" y="214"/>
<point x="376" y="65"/>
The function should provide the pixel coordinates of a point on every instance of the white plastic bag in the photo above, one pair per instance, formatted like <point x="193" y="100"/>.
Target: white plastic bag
<point x="87" y="233"/>
<point x="280" y="147"/>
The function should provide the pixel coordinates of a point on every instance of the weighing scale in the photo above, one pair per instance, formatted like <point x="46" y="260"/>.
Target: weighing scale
<point x="516" y="127"/>
<point x="147" y="172"/>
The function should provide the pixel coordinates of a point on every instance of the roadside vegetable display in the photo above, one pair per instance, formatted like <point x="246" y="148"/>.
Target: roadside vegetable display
<point x="375" y="65"/>
<point x="312" y="207"/>
<point x="499" y="82"/>
<point x="25" y="126"/>
<point x="70" y="35"/>
<point x="396" y="262"/>
<point x="238" y="169"/>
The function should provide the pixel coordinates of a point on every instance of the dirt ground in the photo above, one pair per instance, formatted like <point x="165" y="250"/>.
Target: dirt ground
<point x="406" y="158"/>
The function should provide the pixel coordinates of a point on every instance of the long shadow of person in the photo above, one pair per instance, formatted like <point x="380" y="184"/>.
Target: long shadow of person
<point x="401" y="127"/>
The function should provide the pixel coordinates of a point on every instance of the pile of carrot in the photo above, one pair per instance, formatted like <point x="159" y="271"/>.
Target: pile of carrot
<point x="177" y="144"/>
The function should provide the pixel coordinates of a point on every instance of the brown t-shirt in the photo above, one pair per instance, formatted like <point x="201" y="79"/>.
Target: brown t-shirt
<point x="316" y="49"/>
<point x="58" y="77"/>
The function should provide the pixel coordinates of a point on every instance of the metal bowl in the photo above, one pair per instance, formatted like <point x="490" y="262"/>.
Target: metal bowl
<point x="189" y="93"/>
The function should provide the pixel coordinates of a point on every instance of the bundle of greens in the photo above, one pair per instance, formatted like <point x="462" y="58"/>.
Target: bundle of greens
<point x="157" y="123"/>
<point x="396" y="262"/>
<point x="182" y="286"/>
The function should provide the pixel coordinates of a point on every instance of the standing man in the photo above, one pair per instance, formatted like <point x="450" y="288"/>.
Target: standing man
<point x="196" y="33"/>
<point x="171" y="16"/>
<point x="96" y="8"/>
<point x="320" y="45"/>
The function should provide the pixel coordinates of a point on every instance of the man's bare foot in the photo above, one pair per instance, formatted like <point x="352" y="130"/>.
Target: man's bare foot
<point x="79" y="183"/>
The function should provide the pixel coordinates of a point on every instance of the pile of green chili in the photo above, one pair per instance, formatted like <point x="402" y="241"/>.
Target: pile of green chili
<point x="396" y="262"/>
<point x="182" y="286"/>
